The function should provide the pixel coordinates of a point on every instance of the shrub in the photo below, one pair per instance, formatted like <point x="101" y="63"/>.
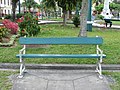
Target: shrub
<point x="19" y="15"/>
<point x="99" y="8"/>
<point x="3" y="33"/>
<point x="8" y="16"/>
<point x="11" y="25"/>
<point x="100" y="17"/>
<point x="76" y="20"/>
<point x="29" y="26"/>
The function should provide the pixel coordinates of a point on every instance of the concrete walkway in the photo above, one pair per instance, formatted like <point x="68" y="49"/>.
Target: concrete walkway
<point x="60" y="80"/>
<point x="95" y="24"/>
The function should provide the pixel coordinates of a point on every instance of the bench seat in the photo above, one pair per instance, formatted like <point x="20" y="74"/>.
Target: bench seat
<point x="60" y="56"/>
<point x="60" y="41"/>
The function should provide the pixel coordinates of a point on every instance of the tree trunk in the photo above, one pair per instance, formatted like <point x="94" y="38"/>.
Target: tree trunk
<point x="13" y="10"/>
<point x="83" y="19"/>
<point x="0" y="12"/>
<point x="64" y="17"/>
<point x="70" y="14"/>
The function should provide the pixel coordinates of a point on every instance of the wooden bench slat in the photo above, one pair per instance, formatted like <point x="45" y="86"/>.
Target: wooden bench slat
<point x="60" y="56"/>
<point x="62" y="40"/>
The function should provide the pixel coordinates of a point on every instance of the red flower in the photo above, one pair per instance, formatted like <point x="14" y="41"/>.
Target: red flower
<point x="11" y="25"/>
<point x="37" y="19"/>
<point x="19" y="20"/>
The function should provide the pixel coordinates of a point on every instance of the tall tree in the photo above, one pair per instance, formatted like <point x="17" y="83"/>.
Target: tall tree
<point x="14" y="5"/>
<point x="83" y="18"/>
<point x="63" y="4"/>
<point x="29" y="4"/>
<point x="66" y="5"/>
<point x="49" y="5"/>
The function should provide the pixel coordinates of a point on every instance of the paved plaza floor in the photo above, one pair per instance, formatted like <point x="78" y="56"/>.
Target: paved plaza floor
<point x="60" y="80"/>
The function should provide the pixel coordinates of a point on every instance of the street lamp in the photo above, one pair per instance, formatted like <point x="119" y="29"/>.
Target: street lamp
<point x="77" y="11"/>
<point x="42" y="11"/>
<point x="42" y="8"/>
<point x="89" y="22"/>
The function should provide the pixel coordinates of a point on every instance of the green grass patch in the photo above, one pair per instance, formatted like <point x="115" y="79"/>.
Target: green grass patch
<point x="113" y="22"/>
<point x="116" y="77"/>
<point x="53" y="18"/>
<point x="116" y="22"/>
<point x="5" y="83"/>
<point x="111" y="46"/>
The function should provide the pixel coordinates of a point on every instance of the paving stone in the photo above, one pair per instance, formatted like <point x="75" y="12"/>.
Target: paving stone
<point x="60" y="80"/>
<point x="30" y="83"/>
<point x="60" y="85"/>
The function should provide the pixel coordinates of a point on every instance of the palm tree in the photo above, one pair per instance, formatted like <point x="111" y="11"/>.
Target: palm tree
<point x="29" y="4"/>
<point x="66" y="5"/>
<point x="48" y="5"/>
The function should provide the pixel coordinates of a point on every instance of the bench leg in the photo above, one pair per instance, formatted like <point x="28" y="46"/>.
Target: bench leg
<point x="99" y="68"/>
<point x="22" y="68"/>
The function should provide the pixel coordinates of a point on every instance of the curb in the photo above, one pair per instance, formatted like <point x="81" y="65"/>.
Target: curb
<point x="60" y="66"/>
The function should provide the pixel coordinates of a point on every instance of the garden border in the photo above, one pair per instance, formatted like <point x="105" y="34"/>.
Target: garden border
<point x="11" y="42"/>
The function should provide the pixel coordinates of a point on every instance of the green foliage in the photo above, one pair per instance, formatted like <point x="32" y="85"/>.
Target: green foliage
<point x="19" y="15"/>
<point x="29" y="26"/>
<point x="110" y="46"/>
<point x="100" y="16"/>
<point x="3" y="33"/>
<point x="8" y="16"/>
<point x="99" y="8"/>
<point x="113" y="6"/>
<point x="76" y="20"/>
<point x="5" y="82"/>
<point x="29" y="4"/>
<point x="116" y="79"/>
<point x="117" y="7"/>
<point x="49" y="4"/>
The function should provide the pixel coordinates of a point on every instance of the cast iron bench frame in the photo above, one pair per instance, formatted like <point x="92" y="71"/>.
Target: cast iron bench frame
<point x="61" y="41"/>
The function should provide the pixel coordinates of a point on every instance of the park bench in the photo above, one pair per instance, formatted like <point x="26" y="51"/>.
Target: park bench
<point x="61" y="41"/>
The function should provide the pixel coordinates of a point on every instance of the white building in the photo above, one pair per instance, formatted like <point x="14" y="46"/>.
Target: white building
<point x="5" y="7"/>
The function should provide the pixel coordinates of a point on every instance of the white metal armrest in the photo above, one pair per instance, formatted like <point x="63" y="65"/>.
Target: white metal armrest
<point x="22" y="65"/>
<point x="99" y="51"/>
<point x="20" y="52"/>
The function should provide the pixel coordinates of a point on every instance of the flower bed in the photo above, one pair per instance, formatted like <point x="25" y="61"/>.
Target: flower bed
<point x="11" y="41"/>
<point x="8" y="32"/>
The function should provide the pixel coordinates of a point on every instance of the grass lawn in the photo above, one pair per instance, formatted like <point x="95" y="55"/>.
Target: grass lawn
<point x="5" y="83"/>
<point x="116" y="78"/>
<point x="111" y="46"/>
<point x="53" y="18"/>
<point x="113" y="22"/>
<point x="116" y="22"/>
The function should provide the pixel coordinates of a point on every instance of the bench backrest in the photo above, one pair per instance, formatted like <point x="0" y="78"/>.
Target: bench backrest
<point x="62" y="40"/>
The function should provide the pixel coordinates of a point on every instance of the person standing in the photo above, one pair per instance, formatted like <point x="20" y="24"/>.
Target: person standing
<point x="107" y="19"/>
<point x="93" y="16"/>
